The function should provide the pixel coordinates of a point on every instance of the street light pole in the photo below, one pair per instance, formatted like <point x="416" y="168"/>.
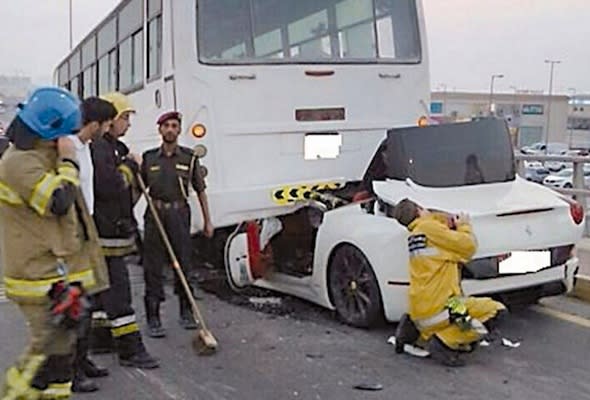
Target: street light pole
<point x="494" y="76"/>
<point x="444" y="99"/>
<point x="571" y="108"/>
<point x="71" y="28"/>
<point x="552" y="62"/>
<point x="516" y="108"/>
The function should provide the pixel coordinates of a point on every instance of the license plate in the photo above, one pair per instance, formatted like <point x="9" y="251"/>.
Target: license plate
<point x="521" y="262"/>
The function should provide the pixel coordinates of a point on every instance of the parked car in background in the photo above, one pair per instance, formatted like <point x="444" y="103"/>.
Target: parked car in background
<point x="539" y="148"/>
<point x="577" y="153"/>
<point x="564" y="179"/>
<point x="536" y="174"/>
<point x="533" y="164"/>
<point x="554" y="149"/>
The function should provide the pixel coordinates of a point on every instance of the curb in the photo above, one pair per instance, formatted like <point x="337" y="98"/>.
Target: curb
<point x="582" y="288"/>
<point x="584" y="244"/>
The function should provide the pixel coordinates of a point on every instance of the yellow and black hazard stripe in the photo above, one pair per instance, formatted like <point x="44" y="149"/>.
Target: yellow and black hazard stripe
<point x="287" y="195"/>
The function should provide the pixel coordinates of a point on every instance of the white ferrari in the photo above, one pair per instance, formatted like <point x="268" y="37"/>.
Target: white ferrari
<point x="341" y="250"/>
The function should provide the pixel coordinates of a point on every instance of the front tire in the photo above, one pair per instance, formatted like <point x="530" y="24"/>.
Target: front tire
<point x="354" y="289"/>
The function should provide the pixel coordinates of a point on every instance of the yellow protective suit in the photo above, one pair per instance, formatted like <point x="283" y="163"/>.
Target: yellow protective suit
<point x="435" y="253"/>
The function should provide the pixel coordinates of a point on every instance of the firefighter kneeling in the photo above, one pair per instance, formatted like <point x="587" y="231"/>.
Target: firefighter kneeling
<point x="47" y="248"/>
<point x="439" y="314"/>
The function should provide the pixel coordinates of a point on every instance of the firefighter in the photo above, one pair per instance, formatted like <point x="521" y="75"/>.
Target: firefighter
<point x="446" y="320"/>
<point x="50" y="249"/>
<point x="114" y="182"/>
<point x="168" y="171"/>
<point x="97" y="116"/>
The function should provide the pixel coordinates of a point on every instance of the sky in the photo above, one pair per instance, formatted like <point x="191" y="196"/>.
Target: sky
<point x="469" y="40"/>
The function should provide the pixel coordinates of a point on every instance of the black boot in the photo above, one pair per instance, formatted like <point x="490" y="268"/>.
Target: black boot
<point x="83" y="368"/>
<point x="187" y="321"/>
<point x="91" y="370"/>
<point x="141" y="360"/>
<point x="444" y="355"/>
<point x="152" y="309"/>
<point x="81" y="384"/>
<point x="491" y="325"/>
<point x="406" y="333"/>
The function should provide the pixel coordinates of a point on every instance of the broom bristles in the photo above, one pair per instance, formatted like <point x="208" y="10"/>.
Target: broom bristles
<point x="205" y="343"/>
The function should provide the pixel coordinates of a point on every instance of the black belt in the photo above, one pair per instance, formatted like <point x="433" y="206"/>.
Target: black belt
<point x="169" y="205"/>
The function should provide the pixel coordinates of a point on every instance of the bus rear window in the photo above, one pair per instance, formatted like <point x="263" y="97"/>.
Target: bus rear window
<point x="331" y="31"/>
<point x="471" y="153"/>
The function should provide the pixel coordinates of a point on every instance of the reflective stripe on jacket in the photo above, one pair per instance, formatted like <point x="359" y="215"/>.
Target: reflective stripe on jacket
<point x="34" y="239"/>
<point x="40" y="287"/>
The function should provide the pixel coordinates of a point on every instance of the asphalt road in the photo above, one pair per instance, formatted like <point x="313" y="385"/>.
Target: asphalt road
<point x="301" y="352"/>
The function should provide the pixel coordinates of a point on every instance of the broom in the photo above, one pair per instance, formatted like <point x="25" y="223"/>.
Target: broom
<point x="203" y="341"/>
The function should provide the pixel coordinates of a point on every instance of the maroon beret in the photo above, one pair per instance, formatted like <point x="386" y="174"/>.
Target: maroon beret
<point x="169" y="115"/>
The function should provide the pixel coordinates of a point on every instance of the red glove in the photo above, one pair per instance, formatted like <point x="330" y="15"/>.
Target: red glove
<point x="68" y="303"/>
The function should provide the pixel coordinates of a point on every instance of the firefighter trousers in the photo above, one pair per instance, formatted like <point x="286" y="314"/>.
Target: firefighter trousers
<point x="45" y="369"/>
<point x="116" y="301"/>
<point x="176" y="222"/>
<point x="482" y="309"/>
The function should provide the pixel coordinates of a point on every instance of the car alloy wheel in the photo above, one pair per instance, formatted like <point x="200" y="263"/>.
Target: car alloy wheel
<point x="354" y="289"/>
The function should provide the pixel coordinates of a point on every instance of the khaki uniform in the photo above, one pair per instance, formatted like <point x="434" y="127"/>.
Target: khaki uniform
<point x="435" y="254"/>
<point x="33" y="242"/>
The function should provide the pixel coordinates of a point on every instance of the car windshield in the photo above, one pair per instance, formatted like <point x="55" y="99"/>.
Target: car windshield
<point x="446" y="155"/>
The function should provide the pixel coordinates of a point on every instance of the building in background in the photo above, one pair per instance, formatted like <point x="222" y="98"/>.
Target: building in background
<point x="578" y="123"/>
<point x="13" y="90"/>
<point x="526" y="112"/>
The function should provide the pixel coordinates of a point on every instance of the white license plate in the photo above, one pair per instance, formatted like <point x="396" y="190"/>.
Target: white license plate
<point x="521" y="262"/>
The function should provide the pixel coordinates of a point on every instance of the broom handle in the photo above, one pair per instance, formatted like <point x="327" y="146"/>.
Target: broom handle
<point x="175" y="263"/>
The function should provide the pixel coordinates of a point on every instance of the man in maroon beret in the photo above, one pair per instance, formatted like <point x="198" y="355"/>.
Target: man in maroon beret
<point x="169" y="171"/>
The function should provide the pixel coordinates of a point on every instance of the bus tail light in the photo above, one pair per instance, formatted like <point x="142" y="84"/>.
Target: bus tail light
<point x="423" y="121"/>
<point x="199" y="131"/>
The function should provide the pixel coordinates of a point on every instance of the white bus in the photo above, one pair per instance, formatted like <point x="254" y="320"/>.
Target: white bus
<point x="264" y="81"/>
<point x="278" y="97"/>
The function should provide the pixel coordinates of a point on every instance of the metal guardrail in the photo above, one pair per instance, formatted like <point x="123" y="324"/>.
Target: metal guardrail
<point x="579" y="191"/>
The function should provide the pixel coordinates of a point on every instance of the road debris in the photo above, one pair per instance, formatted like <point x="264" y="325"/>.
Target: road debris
<point x="265" y="301"/>
<point x="509" y="343"/>
<point x="370" y="387"/>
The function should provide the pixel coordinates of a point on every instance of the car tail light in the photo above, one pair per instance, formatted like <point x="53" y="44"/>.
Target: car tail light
<point x="577" y="212"/>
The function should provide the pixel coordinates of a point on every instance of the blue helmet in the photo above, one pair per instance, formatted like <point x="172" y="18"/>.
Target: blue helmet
<point x="51" y="112"/>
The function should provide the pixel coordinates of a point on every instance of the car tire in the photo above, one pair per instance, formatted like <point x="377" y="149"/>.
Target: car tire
<point x="353" y="288"/>
<point x="567" y="186"/>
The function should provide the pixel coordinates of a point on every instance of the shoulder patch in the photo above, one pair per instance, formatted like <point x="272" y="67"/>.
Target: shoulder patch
<point x="151" y="151"/>
<point x="416" y="242"/>
<point x="186" y="150"/>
